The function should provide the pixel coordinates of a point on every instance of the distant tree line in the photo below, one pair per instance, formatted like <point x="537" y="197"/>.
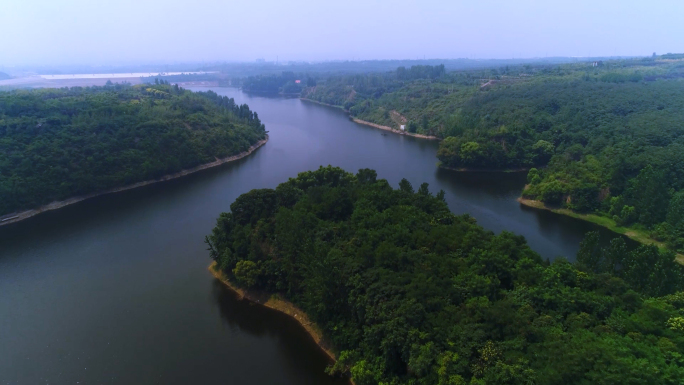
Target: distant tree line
<point x="420" y="72"/>
<point x="285" y="83"/>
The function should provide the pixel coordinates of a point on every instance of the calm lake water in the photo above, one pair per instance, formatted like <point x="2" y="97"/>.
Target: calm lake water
<point x="115" y="290"/>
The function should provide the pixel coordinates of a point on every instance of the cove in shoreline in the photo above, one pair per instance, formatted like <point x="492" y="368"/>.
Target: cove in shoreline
<point x="16" y="217"/>
<point x="276" y="302"/>
<point x="323" y="104"/>
<point x="638" y="235"/>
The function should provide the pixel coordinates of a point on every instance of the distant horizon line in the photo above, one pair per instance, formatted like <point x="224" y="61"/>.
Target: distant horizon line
<point x="286" y="62"/>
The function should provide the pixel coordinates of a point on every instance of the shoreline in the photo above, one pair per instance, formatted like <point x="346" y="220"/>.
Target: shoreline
<point x="634" y="234"/>
<point x="20" y="216"/>
<point x="323" y="104"/>
<point x="390" y="129"/>
<point x="276" y="302"/>
<point x="466" y="169"/>
<point x="371" y="124"/>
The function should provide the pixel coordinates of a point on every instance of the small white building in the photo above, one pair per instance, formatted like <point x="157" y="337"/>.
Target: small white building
<point x="402" y="127"/>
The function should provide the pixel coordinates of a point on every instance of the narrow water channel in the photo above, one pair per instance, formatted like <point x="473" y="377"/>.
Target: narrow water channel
<point x="115" y="290"/>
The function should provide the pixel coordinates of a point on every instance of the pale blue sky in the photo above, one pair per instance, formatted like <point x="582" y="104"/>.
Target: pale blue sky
<point x="141" y="31"/>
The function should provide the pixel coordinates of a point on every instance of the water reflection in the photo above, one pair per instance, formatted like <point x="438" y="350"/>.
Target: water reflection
<point x="304" y="364"/>
<point x="483" y="184"/>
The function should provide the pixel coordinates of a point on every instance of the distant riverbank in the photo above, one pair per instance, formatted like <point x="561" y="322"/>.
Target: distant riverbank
<point x="16" y="217"/>
<point x="466" y="169"/>
<point x="323" y="104"/>
<point x="276" y="302"/>
<point x="371" y="124"/>
<point x="638" y="235"/>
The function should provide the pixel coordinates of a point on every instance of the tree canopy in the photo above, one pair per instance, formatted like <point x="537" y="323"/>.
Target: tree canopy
<point x="59" y="143"/>
<point x="409" y="293"/>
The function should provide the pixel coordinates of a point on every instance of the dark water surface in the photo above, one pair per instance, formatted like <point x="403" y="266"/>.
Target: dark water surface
<point x="115" y="290"/>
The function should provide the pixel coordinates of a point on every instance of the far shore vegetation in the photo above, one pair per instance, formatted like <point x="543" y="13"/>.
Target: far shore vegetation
<point x="56" y="144"/>
<point x="20" y="216"/>
<point x="602" y="139"/>
<point x="641" y="235"/>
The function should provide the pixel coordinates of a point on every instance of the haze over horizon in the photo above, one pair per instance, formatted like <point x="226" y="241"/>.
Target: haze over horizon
<point x="41" y="32"/>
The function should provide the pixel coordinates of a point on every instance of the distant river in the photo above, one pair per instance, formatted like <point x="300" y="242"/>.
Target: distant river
<point x="115" y="290"/>
<point x="119" y="75"/>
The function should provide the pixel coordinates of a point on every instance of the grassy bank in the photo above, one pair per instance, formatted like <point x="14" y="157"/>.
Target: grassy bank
<point x="638" y="235"/>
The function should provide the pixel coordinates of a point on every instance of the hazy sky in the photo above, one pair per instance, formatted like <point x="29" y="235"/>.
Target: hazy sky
<point x="140" y="31"/>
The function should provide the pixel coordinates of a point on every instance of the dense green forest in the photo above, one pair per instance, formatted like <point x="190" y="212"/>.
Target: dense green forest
<point x="182" y="78"/>
<point x="58" y="143"/>
<point x="342" y="67"/>
<point x="409" y="293"/>
<point x="589" y="131"/>
<point x="281" y="79"/>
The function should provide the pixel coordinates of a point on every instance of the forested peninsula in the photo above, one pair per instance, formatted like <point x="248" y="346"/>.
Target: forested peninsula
<point x="408" y="293"/>
<point x="57" y="144"/>
<point x="602" y="140"/>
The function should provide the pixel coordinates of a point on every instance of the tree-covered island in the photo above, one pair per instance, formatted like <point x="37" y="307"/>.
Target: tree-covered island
<point x="408" y="293"/>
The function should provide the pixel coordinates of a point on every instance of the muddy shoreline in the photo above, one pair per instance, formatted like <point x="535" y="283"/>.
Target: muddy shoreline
<point x="276" y="302"/>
